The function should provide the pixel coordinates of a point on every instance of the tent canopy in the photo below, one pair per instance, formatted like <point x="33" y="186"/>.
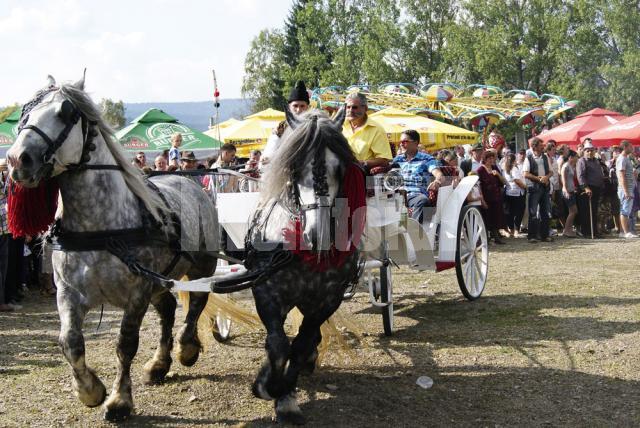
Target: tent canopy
<point x="152" y="131"/>
<point x="573" y="131"/>
<point x="252" y="132"/>
<point x="434" y="135"/>
<point x="626" y="129"/>
<point x="9" y="130"/>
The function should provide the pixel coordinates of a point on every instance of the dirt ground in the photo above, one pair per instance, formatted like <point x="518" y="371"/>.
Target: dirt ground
<point x="554" y="340"/>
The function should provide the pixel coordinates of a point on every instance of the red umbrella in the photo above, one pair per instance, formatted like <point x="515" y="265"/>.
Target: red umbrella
<point x="572" y="132"/>
<point x="626" y="129"/>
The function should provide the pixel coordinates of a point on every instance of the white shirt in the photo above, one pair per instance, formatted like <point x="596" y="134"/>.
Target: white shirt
<point x="527" y="168"/>
<point x="512" y="189"/>
<point x="554" y="180"/>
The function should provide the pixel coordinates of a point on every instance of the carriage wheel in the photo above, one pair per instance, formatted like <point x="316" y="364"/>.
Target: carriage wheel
<point x="472" y="253"/>
<point x="221" y="328"/>
<point x="386" y="296"/>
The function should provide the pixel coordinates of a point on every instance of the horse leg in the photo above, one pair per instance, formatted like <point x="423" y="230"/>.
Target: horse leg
<point x="188" y="343"/>
<point x="269" y="383"/>
<point x="86" y="385"/>
<point x="157" y="367"/>
<point x="120" y="403"/>
<point x="304" y="352"/>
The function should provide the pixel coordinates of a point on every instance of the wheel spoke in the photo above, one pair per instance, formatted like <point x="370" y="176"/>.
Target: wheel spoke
<point x="471" y="224"/>
<point x="471" y="285"/>
<point x="469" y="235"/>
<point x="467" y="273"/>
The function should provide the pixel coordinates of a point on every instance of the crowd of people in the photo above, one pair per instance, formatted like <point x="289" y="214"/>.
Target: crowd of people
<point x="544" y="191"/>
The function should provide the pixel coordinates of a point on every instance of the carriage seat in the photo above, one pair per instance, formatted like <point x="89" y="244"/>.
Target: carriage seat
<point x="447" y="171"/>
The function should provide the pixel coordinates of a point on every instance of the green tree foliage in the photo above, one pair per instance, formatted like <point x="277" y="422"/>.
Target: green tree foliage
<point x="264" y="69"/>
<point x="113" y="112"/>
<point x="582" y="49"/>
<point x="292" y="29"/>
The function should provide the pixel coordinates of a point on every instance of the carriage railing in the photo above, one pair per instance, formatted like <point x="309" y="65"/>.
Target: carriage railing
<point x="220" y="180"/>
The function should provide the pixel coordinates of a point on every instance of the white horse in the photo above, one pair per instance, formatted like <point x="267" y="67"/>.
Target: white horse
<point x="112" y="226"/>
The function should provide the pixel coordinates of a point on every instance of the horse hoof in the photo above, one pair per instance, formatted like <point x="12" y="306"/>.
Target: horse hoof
<point x="290" y="418"/>
<point x="92" y="396"/>
<point x="307" y="368"/>
<point x="155" y="372"/>
<point x="260" y="391"/>
<point x="117" y="408"/>
<point x="188" y="353"/>
<point x="117" y="414"/>
<point x="288" y="412"/>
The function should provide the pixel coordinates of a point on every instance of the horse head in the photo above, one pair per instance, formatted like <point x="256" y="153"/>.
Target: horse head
<point x="306" y="175"/>
<point x="51" y="135"/>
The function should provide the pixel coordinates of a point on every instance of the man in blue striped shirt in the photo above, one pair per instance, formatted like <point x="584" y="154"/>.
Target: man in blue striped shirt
<point x="420" y="172"/>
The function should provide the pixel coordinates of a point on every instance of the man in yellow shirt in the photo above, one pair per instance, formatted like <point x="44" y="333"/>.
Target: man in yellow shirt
<point x="367" y="139"/>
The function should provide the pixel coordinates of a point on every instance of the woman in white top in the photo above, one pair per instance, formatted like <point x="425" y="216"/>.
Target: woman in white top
<point x="568" y="173"/>
<point x="514" y="194"/>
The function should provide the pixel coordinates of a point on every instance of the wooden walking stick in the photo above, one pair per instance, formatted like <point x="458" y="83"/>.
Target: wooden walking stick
<point x="590" y="217"/>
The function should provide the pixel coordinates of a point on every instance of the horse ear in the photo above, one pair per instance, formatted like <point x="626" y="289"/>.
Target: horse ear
<point x="80" y="83"/>
<point x="65" y="111"/>
<point x="50" y="81"/>
<point x="291" y="118"/>
<point x="338" y="119"/>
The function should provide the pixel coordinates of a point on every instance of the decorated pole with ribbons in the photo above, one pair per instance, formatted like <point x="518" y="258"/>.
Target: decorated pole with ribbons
<point x="216" y="102"/>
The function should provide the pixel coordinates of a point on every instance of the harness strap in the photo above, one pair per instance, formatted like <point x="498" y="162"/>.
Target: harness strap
<point x="119" y="249"/>
<point x="83" y="167"/>
<point x="41" y="133"/>
<point x="277" y="261"/>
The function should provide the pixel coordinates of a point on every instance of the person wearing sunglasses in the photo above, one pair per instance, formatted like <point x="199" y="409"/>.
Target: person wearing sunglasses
<point x="420" y="173"/>
<point x="367" y="139"/>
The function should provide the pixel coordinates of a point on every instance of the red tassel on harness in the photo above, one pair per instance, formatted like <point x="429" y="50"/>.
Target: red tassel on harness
<point x="31" y="210"/>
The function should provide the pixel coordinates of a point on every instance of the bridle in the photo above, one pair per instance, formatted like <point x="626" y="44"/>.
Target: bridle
<point x="292" y="202"/>
<point x="70" y="115"/>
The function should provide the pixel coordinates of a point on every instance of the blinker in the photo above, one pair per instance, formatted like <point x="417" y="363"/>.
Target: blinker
<point x="66" y="111"/>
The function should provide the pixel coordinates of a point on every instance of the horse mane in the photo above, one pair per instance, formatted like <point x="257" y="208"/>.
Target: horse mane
<point x="315" y="132"/>
<point x="132" y="176"/>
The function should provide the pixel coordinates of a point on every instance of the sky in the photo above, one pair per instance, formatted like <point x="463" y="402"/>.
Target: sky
<point x="135" y="50"/>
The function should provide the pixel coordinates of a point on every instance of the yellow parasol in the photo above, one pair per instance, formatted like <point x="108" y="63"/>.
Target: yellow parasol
<point x="217" y="131"/>
<point x="434" y="135"/>
<point x="252" y="132"/>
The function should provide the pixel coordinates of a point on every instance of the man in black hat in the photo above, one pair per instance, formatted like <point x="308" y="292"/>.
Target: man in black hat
<point x="298" y="104"/>
<point x="188" y="160"/>
<point x="473" y="163"/>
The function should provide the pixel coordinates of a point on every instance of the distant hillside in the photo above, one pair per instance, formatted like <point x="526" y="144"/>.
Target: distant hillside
<point x="196" y="115"/>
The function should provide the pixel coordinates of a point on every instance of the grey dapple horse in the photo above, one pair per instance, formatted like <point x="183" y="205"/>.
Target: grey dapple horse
<point x="64" y="136"/>
<point x="304" y="180"/>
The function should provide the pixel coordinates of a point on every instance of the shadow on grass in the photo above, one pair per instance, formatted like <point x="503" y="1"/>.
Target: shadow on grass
<point x="509" y="319"/>
<point x="476" y="396"/>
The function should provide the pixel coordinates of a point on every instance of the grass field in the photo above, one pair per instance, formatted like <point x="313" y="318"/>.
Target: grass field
<point x="554" y="340"/>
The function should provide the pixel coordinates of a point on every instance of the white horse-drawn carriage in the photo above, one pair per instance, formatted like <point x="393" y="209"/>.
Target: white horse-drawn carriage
<point x="454" y="236"/>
